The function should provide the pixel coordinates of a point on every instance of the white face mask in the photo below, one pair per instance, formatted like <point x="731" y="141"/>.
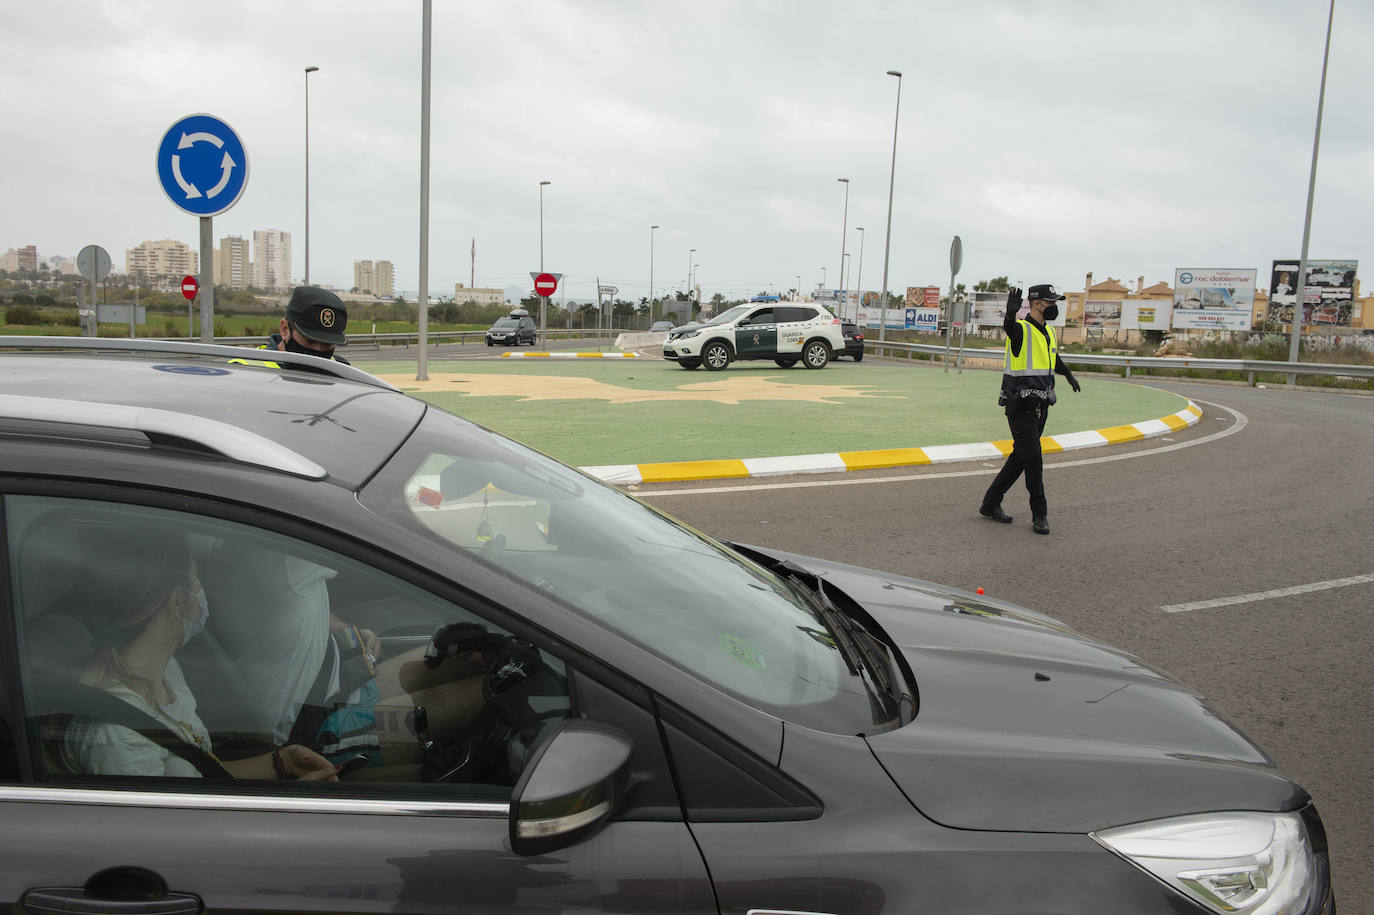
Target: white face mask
<point x="194" y="629"/>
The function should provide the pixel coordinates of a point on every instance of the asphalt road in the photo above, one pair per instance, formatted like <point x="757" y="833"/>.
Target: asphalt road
<point x="1270" y="491"/>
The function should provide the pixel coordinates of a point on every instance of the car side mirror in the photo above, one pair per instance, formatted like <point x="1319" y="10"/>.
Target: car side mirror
<point x="570" y="786"/>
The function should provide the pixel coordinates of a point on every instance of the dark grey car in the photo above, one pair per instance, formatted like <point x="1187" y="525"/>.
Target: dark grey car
<point x="571" y="702"/>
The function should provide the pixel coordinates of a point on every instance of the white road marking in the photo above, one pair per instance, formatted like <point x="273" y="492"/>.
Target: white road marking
<point x="1270" y="595"/>
<point x="1240" y="423"/>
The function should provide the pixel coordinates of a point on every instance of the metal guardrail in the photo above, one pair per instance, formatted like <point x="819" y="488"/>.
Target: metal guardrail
<point x="1250" y="367"/>
<point x="437" y="336"/>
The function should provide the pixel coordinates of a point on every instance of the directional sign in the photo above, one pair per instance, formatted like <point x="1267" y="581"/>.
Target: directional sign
<point x="202" y="165"/>
<point x="189" y="287"/>
<point x="545" y="284"/>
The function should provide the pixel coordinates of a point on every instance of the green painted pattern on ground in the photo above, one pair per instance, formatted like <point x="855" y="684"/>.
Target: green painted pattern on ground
<point x="908" y="406"/>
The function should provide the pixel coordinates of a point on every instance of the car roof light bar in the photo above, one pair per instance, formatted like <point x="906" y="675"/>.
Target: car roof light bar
<point x="177" y="348"/>
<point x="164" y="425"/>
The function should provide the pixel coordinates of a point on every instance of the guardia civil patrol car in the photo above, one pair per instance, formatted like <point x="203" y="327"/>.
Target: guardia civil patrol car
<point x="783" y="333"/>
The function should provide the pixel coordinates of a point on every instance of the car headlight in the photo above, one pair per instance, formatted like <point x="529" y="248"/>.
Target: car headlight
<point x="685" y="334"/>
<point x="1251" y="863"/>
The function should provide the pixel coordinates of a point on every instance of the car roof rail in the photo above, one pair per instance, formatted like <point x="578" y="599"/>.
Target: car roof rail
<point x="177" y="348"/>
<point x="165" y="426"/>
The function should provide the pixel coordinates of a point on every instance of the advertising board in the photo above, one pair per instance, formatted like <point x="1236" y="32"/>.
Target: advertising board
<point x="1146" y="314"/>
<point x="1214" y="298"/>
<point x="1103" y="313"/>
<point x="1328" y="295"/>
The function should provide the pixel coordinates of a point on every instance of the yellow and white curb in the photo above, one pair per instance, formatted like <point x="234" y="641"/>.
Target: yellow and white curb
<point x="836" y="462"/>
<point x="571" y="356"/>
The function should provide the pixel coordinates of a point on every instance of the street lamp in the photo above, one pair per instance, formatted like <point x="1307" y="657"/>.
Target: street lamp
<point x="844" y="230"/>
<point x="824" y="284"/>
<point x="844" y="286"/>
<point x="543" y="300"/>
<point x="308" y="71"/>
<point x="891" y="179"/>
<point x="859" y="285"/>
<point x="651" y="273"/>
<point x="692" y="297"/>
<point x="798" y="293"/>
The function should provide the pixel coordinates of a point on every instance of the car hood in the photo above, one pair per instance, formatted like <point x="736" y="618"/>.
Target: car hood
<point x="1024" y="724"/>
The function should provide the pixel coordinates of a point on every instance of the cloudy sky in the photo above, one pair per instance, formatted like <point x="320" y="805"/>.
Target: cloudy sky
<point x="1056" y="137"/>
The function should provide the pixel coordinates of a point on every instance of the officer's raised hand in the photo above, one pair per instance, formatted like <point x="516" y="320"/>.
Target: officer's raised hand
<point x="1014" y="300"/>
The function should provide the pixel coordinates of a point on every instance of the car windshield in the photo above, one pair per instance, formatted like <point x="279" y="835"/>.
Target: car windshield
<point x="725" y="317"/>
<point x="505" y="322"/>
<point x="694" y="602"/>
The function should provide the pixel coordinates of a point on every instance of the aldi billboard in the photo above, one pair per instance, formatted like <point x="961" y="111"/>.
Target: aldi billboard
<point x="1214" y="298"/>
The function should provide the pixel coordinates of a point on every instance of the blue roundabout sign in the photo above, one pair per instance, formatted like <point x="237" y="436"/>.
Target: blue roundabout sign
<point x="202" y="165"/>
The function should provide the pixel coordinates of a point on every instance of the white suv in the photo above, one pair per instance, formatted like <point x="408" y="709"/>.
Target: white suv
<point x="783" y="333"/>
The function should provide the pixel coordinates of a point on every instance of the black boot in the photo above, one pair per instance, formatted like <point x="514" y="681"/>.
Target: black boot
<point x="995" y="513"/>
<point x="1040" y="524"/>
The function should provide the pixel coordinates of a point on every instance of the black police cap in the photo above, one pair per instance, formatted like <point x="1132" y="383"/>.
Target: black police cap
<point x="1043" y="291"/>
<point x="318" y="314"/>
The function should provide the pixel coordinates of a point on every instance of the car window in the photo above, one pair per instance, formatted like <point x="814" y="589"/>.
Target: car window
<point x="762" y="316"/>
<point x="730" y="315"/>
<point x="506" y="322"/>
<point x="165" y="645"/>
<point x="687" y="598"/>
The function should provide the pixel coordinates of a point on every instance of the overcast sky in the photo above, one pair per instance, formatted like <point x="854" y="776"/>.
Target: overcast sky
<point x="1056" y="137"/>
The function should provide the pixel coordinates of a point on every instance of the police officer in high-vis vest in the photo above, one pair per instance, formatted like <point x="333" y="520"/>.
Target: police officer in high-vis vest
<point x="1028" y="369"/>
<point x="314" y="324"/>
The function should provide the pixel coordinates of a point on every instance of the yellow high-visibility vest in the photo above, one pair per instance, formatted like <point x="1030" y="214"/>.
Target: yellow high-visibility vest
<point x="1038" y="353"/>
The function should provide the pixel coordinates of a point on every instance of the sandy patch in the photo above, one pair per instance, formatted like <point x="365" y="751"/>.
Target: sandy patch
<point x="732" y="390"/>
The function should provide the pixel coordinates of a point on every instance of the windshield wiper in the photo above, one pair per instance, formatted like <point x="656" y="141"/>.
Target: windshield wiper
<point x="855" y="641"/>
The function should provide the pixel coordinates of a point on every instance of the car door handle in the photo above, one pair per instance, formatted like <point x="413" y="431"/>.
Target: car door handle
<point x="55" y="900"/>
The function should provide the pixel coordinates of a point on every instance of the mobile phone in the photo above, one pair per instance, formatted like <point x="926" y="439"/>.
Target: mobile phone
<point x="353" y="762"/>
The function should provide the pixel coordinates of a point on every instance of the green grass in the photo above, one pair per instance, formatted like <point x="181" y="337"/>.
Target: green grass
<point x="919" y="406"/>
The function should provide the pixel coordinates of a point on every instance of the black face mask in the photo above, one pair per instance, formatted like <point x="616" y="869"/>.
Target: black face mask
<point x="293" y="347"/>
<point x="1051" y="312"/>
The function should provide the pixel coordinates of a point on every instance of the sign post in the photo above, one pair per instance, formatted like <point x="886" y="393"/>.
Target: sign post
<point x="203" y="169"/>
<point x="94" y="264"/>
<point x="956" y="260"/>
<point x="545" y="285"/>
<point x="189" y="288"/>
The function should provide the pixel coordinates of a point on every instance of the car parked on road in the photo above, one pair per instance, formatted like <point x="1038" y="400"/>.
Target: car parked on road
<point x="512" y="329"/>
<point x="853" y="342"/>
<point x="660" y="326"/>
<point x="783" y="333"/>
<point x="571" y="702"/>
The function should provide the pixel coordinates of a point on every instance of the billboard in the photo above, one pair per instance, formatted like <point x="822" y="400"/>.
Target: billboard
<point x="1328" y="295"/>
<point x="1214" y="298"/>
<point x="1146" y="314"/>
<point x="921" y="310"/>
<point x="1102" y="313"/>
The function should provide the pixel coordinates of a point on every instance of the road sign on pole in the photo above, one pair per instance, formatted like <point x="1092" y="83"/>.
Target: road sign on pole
<point x="93" y="263"/>
<point x="202" y="165"/>
<point x="546" y="284"/>
<point x="189" y="287"/>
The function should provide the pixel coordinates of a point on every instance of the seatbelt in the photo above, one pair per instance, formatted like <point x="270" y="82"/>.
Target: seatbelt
<point x="53" y="695"/>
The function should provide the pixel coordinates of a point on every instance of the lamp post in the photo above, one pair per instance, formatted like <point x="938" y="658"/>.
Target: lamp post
<point x="543" y="300"/>
<point x="859" y="285"/>
<point x="844" y="285"/>
<point x="308" y="71"/>
<point x="692" y="298"/>
<point x="891" y="179"/>
<point x="651" y="274"/>
<point x="824" y="283"/>
<point x="798" y="287"/>
<point x="844" y="230"/>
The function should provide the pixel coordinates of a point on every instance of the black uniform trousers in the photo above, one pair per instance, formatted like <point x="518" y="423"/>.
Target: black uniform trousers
<point x="1026" y="417"/>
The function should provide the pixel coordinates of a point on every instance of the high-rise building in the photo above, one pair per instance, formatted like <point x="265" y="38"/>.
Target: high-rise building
<point x="377" y="278"/>
<point x="233" y="263"/>
<point x="386" y="279"/>
<point x="161" y="263"/>
<point x="17" y="259"/>
<point x="272" y="260"/>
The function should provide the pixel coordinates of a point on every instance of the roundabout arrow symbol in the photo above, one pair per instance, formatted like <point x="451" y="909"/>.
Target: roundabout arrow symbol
<point x="189" y="138"/>
<point x="227" y="166"/>
<point x="191" y="191"/>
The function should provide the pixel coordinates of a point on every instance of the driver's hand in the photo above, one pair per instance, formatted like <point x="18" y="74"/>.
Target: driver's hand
<point x="371" y="643"/>
<point x="307" y="765"/>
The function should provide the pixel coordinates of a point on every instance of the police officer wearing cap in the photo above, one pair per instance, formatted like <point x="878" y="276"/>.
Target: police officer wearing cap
<point x="314" y="324"/>
<point x="1028" y="369"/>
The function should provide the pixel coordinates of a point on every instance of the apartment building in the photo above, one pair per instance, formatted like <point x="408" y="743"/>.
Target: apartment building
<point x="272" y="260"/>
<point x="377" y="278"/>
<point x="476" y="295"/>
<point x="161" y="263"/>
<point x="233" y="263"/>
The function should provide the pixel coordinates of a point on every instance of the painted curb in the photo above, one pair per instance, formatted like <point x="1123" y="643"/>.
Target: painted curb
<point x="571" y="356"/>
<point x="835" y="462"/>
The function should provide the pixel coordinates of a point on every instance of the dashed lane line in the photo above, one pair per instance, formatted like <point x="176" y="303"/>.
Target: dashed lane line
<point x="1269" y="595"/>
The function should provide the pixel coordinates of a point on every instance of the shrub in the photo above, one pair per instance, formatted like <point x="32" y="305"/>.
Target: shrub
<point x="22" y="314"/>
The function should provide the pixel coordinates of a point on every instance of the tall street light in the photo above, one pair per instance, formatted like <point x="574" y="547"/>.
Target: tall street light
<point x="845" y="270"/>
<point x="543" y="300"/>
<point x="798" y="293"/>
<point x="691" y="256"/>
<point x="859" y="284"/>
<point x="844" y="230"/>
<point x="651" y="273"/>
<point x="824" y="283"/>
<point x="308" y="71"/>
<point x="891" y="179"/>
<point x="692" y="297"/>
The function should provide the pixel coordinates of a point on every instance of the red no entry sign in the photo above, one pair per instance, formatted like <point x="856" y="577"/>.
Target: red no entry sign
<point x="189" y="287"/>
<point x="545" y="284"/>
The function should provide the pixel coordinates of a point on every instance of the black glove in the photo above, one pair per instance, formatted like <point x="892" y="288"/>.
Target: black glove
<point x="1014" y="300"/>
<point x="1073" y="383"/>
<point x="461" y="638"/>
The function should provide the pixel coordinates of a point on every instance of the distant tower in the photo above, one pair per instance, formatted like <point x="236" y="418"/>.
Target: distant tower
<point x="472" y="277"/>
